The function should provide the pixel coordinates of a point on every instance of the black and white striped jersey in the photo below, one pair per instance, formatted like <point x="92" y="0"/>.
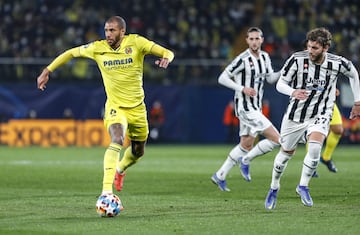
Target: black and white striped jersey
<point x="248" y="71"/>
<point x="319" y="80"/>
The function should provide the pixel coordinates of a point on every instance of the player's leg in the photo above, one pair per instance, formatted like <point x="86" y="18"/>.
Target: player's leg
<point x="317" y="131"/>
<point x="332" y="140"/>
<point x="219" y="177"/>
<point x="291" y="134"/>
<point x="310" y="164"/>
<point x="131" y="156"/>
<point x="230" y="161"/>
<point x="111" y="156"/>
<point x="311" y="161"/>
<point x="280" y="163"/>
<point x="265" y="127"/>
<point x="137" y="132"/>
<point x="264" y="146"/>
<point x="113" y="119"/>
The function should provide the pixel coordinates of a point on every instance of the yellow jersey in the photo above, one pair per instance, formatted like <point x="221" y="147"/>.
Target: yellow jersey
<point x="121" y="69"/>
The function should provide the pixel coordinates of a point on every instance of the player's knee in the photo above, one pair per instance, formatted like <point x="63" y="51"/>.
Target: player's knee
<point x="281" y="160"/>
<point x="274" y="144"/>
<point x="337" y="129"/>
<point x="288" y="152"/>
<point x="138" y="150"/>
<point x="118" y="139"/>
<point x="266" y="145"/>
<point x="247" y="146"/>
<point x="314" y="149"/>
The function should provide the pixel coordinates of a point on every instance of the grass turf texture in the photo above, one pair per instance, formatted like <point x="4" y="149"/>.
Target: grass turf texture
<point x="54" y="191"/>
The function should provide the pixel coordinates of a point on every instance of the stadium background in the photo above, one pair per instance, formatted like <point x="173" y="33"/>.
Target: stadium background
<point x="205" y="35"/>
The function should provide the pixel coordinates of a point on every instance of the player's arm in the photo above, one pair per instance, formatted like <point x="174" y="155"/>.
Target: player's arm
<point x="287" y="73"/>
<point x="166" y="56"/>
<point x="272" y="77"/>
<point x="57" y="62"/>
<point x="283" y="87"/>
<point x="353" y="76"/>
<point x="355" y="84"/>
<point x="226" y="80"/>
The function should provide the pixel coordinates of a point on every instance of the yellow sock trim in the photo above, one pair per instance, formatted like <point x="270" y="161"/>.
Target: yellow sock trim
<point x="127" y="160"/>
<point x="111" y="156"/>
<point x="331" y="142"/>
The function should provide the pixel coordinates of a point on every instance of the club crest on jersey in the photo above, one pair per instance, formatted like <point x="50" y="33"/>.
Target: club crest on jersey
<point x="128" y="50"/>
<point x="306" y="66"/>
<point x="113" y="112"/>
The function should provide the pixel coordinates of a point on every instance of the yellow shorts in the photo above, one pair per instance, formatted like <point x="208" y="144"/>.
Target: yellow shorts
<point x="336" y="117"/>
<point x="134" y="120"/>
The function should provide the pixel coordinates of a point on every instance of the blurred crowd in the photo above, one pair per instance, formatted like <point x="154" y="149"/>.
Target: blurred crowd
<point x="285" y="24"/>
<point x="194" y="29"/>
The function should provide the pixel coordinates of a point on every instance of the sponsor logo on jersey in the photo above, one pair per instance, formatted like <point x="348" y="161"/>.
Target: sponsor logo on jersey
<point x="110" y="63"/>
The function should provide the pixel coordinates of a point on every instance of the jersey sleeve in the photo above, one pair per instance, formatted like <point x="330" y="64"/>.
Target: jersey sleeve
<point x="235" y="66"/>
<point x="144" y="44"/>
<point x="271" y="76"/>
<point x="63" y="58"/>
<point x="87" y="50"/>
<point x="349" y="70"/>
<point x="162" y="52"/>
<point x="268" y="64"/>
<point x="288" y="70"/>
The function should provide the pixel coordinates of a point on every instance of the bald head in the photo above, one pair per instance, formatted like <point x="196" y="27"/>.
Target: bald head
<point x="117" y="19"/>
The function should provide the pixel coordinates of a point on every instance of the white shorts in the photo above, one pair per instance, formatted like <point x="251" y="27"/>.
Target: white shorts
<point x="252" y="123"/>
<point x="293" y="133"/>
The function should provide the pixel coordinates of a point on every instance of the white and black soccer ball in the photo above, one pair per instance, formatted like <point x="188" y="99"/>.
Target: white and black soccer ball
<point x="108" y="205"/>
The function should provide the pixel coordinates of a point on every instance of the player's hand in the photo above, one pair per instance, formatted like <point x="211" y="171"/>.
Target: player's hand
<point x="162" y="62"/>
<point x="43" y="79"/>
<point x="249" y="91"/>
<point x="355" y="112"/>
<point x="300" y="94"/>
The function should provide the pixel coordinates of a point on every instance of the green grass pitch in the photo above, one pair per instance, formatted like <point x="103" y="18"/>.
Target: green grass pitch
<point x="54" y="190"/>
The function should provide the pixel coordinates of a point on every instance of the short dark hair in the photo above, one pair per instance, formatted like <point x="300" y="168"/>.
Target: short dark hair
<point x="320" y="35"/>
<point x="119" y="20"/>
<point x="254" y="29"/>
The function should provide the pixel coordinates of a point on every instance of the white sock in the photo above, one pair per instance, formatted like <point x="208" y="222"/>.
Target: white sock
<point x="263" y="147"/>
<point x="280" y="163"/>
<point x="230" y="162"/>
<point x="310" y="163"/>
<point x="104" y="192"/>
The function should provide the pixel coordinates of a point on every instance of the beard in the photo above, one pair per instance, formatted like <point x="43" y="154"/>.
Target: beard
<point x="317" y="59"/>
<point x="113" y="42"/>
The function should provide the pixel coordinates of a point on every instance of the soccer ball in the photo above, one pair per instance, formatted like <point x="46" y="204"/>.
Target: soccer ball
<point x="108" y="205"/>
